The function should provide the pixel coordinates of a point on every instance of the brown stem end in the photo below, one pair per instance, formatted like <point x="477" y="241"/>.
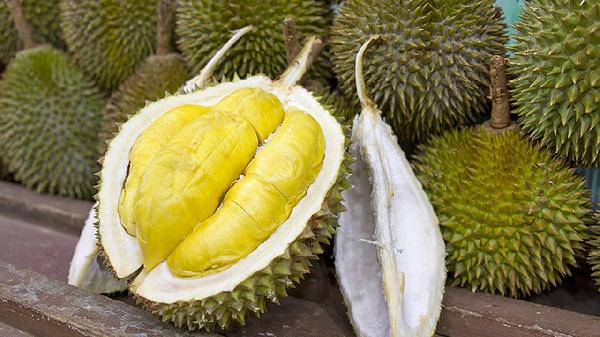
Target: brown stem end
<point x="290" y="36"/>
<point x="21" y="23"/>
<point x="499" y="94"/>
<point x="164" y="27"/>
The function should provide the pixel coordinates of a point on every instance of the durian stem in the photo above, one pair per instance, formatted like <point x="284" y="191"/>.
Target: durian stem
<point x="164" y="27"/>
<point x="290" y="36"/>
<point x="209" y="68"/>
<point x="499" y="94"/>
<point x="23" y="27"/>
<point x="361" y="88"/>
<point x="296" y="70"/>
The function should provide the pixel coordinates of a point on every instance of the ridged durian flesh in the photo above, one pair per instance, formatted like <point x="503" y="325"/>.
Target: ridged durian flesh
<point x="205" y="187"/>
<point x="274" y="182"/>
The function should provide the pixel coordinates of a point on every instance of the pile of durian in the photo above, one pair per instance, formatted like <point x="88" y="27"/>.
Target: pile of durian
<point x="223" y="155"/>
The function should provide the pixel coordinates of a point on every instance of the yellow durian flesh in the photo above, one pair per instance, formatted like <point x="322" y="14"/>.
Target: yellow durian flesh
<point x="145" y="149"/>
<point x="276" y="179"/>
<point x="184" y="182"/>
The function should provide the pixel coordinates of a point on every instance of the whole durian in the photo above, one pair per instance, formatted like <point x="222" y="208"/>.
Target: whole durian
<point x="556" y="85"/>
<point x="203" y="25"/>
<point x="594" y="250"/>
<point x="429" y="71"/>
<point x="43" y="17"/>
<point x="49" y="117"/>
<point x="109" y="38"/>
<point x="513" y="217"/>
<point x="228" y="229"/>
<point x="161" y="73"/>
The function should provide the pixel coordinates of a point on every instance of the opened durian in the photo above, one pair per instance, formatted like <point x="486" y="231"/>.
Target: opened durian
<point x="43" y="17"/>
<point x="556" y="65"/>
<point x="214" y="201"/>
<point x="430" y="71"/>
<point x="594" y="251"/>
<point x="109" y="38"/>
<point x="513" y="217"/>
<point x="203" y="25"/>
<point x="165" y="71"/>
<point x="49" y="117"/>
<point x="390" y="231"/>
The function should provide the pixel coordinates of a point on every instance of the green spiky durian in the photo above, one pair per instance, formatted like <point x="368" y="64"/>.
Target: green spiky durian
<point x="49" y="117"/>
<point x="556" y="64"/>
<point x="429" y="71"/>
<point x="203" y="25"/>
<point x="338" y="105"/>
<point x="43" y="16"/>
<point x="109" y="38"/>
<point x="511" y="214"/>
<point x="594" y="250"/>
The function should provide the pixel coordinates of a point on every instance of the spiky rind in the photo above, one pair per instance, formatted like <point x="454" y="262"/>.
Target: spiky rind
<point x="429" y="70"/>
<point x="155" y="76"/>
<point x="512" y="216"/>
<point x="49" y="117"/>
<point x="109" y="38"/>
<point x="594" y="250"/>
<point x="336" y="104"/>
<point x="268" y="284"/>
<point x="204" y="25"/>
<point x="42" y="15"/>
<point x="556" y="64"/>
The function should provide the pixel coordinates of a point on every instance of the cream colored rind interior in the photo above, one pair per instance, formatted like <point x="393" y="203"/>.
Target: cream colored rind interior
<point x="160" y="285"/>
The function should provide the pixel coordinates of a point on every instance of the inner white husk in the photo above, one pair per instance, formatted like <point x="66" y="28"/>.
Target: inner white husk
<point x="122" y="249"/>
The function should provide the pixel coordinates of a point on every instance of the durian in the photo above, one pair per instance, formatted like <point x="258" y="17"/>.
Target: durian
<point x="163" y="72"/>
<point x="389" y="252"/>
<point x="513" y="217"/>
<point x="202" y="25"/>
<point x="429" y="71"/>
<point x="43" y="17"/>
<point x="556" y="65"/>
<point x="594" y="250"/>
<point x="236" y="273"/>
<point x="49" y="117"/>
<point x="109" y="38"/>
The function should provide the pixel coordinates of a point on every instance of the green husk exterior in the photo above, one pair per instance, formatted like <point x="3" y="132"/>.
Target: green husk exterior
<point x="4" y="173"/>
<point x="157" y="75"/>
<point x="430" y="69"/>
<point x="42" y="15"/>
<point x="266" y="285"/>
<point x="49" y="118"/>
<point x="204" y="25"/>
<point x="335" y="102"/>
<point x="594" y="250"/>
<point x="513" y="217"/>
<point x="109" y="38"/>
<point x="556" y="64"/>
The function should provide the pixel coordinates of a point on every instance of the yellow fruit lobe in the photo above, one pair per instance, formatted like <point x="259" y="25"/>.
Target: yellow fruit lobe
<point x="274" y="182"/>
<point x="144" y="151"/>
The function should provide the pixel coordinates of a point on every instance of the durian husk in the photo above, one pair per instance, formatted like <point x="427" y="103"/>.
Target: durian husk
<point x="594" y="250"/>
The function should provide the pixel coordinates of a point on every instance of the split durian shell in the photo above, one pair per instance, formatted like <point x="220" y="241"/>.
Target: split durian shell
<point x="275" y="265"/>
<point x="391" y="231"/>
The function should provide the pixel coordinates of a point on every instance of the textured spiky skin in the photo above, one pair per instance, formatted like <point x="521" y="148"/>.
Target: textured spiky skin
<point x="109" y="38"/>
<point x="4" y="173"/>
<point x="49" y="119"/>
<point x="512" y="216"/>
<point x="594" y="250"/>
<point x="204" y="25"/>
<point x="336" y="104"/>
<point x="42" y="15"/>
<point x="268" y="284"/>
<point x="556" y="64"/>
<point x="157" y="75"/>
<point x="429" y="70"/>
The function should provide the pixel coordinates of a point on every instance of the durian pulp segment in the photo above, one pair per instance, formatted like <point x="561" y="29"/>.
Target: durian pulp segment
<point x="152" y="140"/>
<point x="274" y="182"/>
<point x="184" y="183"/>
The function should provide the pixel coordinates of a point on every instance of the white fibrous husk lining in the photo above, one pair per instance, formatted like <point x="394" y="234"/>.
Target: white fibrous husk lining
<point x="387" y="197"/>
<point x="159" y="285"/>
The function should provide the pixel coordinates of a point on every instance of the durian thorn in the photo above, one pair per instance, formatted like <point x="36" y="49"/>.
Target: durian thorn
<point x="164" y="27"/>
<point x="499" y="94"/>
<point x="296" y="70"/>
<point x="21" y="23"/>
<point x="209" y="68"/>
<point x="290" y="37"/>
<point x="361" y="89"/>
